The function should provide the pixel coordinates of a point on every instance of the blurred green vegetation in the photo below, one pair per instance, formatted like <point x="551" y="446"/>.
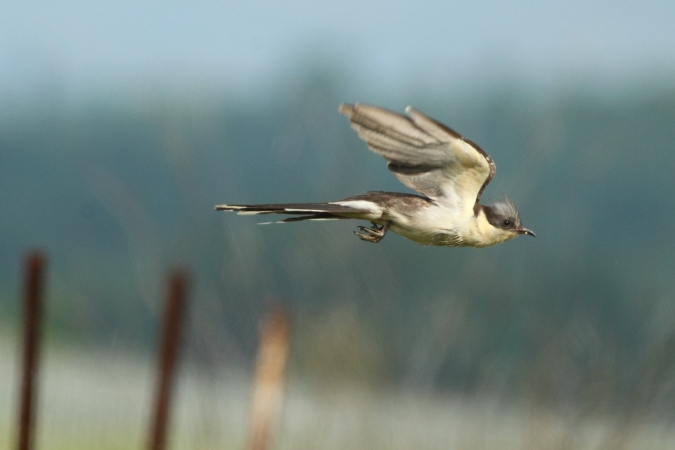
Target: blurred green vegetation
<point x="119" y="189"/>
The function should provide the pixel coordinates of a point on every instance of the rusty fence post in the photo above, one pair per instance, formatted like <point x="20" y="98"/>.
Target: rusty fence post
<point x="168" y="357"/>
<point x="33" y="289"/>
<point x="268" y="381"/>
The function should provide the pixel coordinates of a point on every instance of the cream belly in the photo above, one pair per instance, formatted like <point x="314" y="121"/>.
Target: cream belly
<point x="433" y="225"/>
<point x="437" y="226"/>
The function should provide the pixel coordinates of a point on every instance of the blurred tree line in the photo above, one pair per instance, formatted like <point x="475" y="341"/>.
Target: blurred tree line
<point x="117" y="190"/>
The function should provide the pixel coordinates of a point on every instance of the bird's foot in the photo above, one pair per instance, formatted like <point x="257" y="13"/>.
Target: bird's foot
<point x="374" y="234"/>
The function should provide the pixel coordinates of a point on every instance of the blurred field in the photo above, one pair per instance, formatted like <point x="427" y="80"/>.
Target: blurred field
<point x="564" y="341"/>
<point x="123" y="123"/>
<point x="101" y="400"/>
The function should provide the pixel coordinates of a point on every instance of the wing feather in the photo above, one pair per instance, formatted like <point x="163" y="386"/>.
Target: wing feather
<point x="386" y="122"/>
<point x="429" y="125"/>
<point x="424" y="154"/>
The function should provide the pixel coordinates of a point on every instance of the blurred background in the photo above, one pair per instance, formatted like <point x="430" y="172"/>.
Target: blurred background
<point x="123" y="123"/>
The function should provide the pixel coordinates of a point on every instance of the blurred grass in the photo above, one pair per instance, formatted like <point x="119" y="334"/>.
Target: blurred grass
<point x="101" y="400"/>
<point x="566" y="341"/>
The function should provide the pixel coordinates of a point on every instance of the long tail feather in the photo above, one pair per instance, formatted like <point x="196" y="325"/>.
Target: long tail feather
<point x="318" y="216"/>
<point x="301" y="211"/>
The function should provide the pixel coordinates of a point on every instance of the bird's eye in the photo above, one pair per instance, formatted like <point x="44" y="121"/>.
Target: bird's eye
<point x="507" y="222"/>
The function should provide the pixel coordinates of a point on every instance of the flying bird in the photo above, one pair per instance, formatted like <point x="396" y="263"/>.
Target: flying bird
<point x="448" y="171"/>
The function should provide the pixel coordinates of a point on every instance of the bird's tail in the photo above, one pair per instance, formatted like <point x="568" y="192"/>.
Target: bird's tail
<point x="300" y="211"/>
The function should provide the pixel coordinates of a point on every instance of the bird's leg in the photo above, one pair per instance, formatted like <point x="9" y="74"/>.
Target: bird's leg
<point x="374" y="234"/>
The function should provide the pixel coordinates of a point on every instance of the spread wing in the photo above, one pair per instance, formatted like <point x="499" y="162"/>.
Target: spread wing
<point x="424" y="154"/>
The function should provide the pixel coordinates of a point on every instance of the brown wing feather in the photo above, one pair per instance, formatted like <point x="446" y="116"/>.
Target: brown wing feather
<point x="424" y="154"/>
<point x="491" y="163"/>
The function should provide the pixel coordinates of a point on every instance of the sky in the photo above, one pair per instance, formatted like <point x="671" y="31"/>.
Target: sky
<point x="83" y="47"/>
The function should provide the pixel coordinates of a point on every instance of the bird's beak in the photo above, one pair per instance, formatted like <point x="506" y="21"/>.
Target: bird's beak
<point x="521" y="230"/>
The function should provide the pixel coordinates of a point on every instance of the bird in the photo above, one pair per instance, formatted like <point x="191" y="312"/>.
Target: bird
<point x="448" y="171"/>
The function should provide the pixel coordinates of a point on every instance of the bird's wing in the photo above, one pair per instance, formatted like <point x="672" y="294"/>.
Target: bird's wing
<point x="424" y="154"/>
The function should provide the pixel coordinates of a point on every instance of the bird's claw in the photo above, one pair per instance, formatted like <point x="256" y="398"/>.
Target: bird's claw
<point x="367" y="237"/>
<point x="374" y="234"/>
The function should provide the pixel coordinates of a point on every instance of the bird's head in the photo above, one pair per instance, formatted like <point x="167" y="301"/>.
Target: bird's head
<point x="503" y="214"/>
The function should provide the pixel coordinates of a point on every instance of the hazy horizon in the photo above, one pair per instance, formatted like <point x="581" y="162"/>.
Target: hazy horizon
<point x="82" y="50"/>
